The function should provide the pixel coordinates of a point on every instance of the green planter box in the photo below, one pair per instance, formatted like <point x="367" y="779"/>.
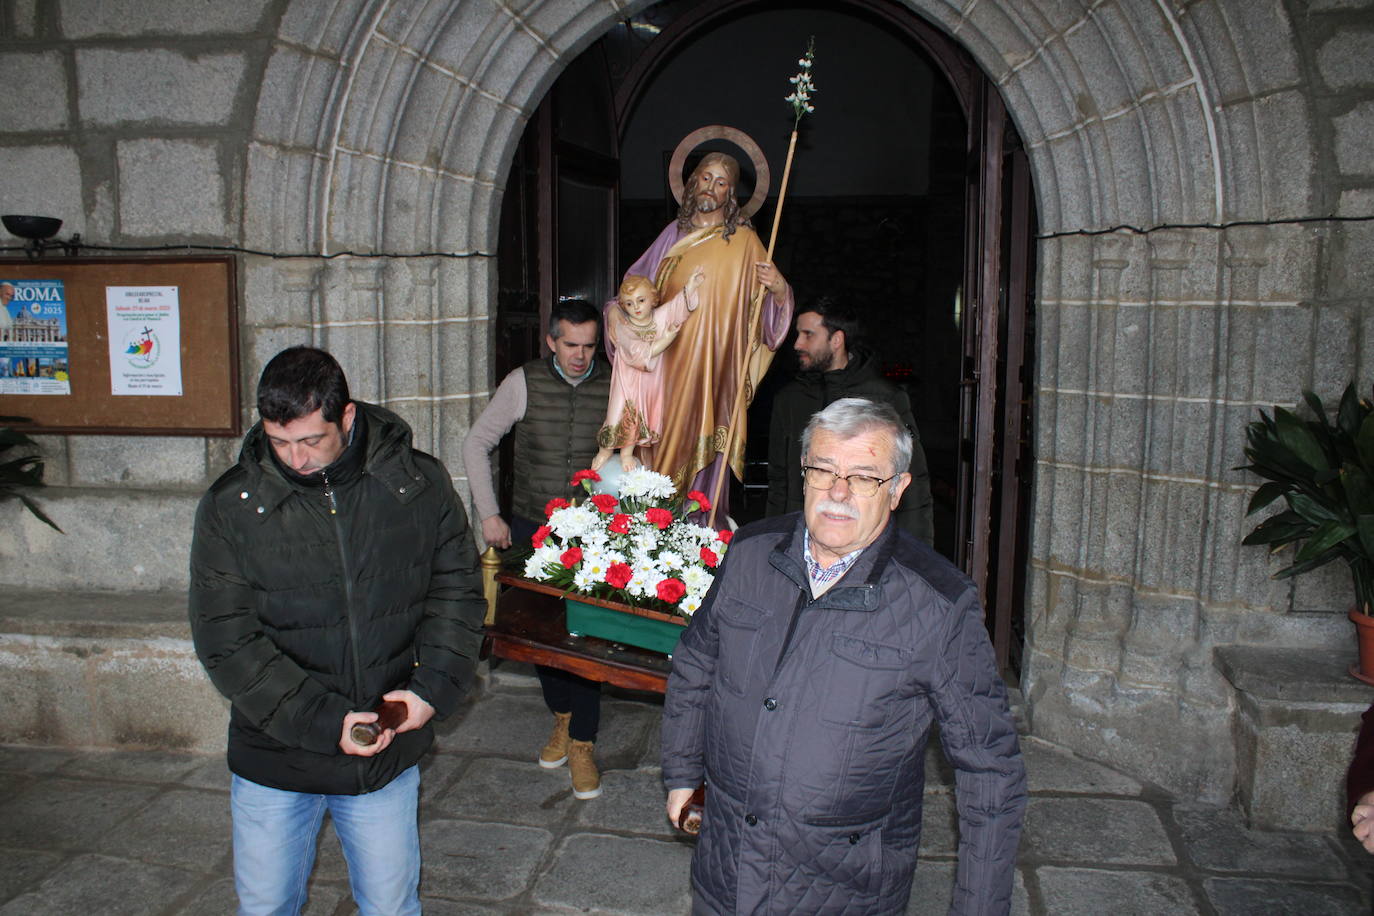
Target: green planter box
<point x="585" y="619"/>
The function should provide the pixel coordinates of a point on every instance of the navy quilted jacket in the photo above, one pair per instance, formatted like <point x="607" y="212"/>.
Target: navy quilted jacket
<point x="809" y="719"/>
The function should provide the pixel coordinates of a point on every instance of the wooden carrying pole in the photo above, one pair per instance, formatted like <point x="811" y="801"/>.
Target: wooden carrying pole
<point x="782" y="193"/>
<point x="738" y="408"/>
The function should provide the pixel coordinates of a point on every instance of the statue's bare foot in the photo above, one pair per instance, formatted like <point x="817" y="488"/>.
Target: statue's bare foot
<point x="602" y="456"/>
<point x="628" y="462"/>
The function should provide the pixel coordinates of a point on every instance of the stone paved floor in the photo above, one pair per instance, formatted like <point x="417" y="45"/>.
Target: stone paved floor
<point x="148" y="833"/>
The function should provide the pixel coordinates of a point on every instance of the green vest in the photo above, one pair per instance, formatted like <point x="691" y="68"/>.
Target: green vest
<point x="557" y="435"/>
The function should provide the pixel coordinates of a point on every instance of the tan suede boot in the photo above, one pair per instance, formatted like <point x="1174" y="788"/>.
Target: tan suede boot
<point x="555" y="753"/>
<point x="586" y="781"/>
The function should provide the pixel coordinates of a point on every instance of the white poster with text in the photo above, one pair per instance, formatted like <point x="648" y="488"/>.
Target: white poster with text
<point x="145" y="339"/>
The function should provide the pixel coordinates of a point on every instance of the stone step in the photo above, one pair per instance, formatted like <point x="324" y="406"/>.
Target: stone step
<point x="1297" y="712"/>
<point x="104" y="669"/>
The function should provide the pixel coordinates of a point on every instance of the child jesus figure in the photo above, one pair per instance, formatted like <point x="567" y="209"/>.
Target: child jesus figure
<point x="638" y="329"/>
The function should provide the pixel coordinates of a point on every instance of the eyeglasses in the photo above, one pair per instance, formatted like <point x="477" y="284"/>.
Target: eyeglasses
<point x="859" y="484"/>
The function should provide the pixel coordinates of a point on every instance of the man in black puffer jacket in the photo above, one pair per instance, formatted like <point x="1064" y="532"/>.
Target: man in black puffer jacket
<point x="834" y="365"/>
<point x="331" y="568"/>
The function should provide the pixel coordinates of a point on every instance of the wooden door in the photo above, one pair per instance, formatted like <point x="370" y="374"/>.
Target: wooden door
<point x="995" y="458"/>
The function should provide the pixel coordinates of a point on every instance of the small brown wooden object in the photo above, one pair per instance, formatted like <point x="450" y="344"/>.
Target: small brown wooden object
<point x="689" y="818"/>
<point x="390" y="713"/>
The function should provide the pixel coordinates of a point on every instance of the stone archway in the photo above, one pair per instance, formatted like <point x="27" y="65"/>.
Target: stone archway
<point x="389" y="126"/>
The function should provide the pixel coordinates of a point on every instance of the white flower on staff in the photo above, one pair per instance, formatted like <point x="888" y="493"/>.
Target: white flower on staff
<point x="803" y="84"/>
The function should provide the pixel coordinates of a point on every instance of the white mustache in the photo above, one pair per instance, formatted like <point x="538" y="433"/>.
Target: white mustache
<point x="830" y="507"/>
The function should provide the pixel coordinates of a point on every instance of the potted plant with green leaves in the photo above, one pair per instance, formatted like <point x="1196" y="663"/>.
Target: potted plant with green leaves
<point x="24" y="472"/>
<point x="1323" y="469"/>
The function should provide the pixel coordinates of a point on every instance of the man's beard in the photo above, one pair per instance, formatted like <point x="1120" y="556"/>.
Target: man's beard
<point x="733" y="218"/>
<point x="705" y="203"/>
<point x="811" y="363"/>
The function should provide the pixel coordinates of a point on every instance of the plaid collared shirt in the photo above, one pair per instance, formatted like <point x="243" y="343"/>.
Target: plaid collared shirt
<point x="824" y="577"/>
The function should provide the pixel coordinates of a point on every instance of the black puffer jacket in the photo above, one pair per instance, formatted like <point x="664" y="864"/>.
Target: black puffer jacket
<point x="301" y="616"/>
<point x="809" y="392"/>
<point x="808" y="718"/>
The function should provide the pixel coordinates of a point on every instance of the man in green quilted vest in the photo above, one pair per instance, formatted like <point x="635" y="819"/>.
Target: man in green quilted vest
<point x="554" y="406"/>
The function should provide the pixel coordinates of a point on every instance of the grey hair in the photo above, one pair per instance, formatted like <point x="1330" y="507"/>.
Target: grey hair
<point x="849" y="417"/>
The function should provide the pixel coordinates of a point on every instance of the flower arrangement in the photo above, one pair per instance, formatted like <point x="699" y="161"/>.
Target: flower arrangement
<point x="636" y="548"/>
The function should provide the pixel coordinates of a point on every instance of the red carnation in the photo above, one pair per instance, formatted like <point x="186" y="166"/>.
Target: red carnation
<point x="605" y="502"/>
<point x="702" y="502"/>
<point x="709" y="557"/>
<point x="571" y="557"/>
<point x="538" y="539"/>
<point x="725" y="537"/>
<point x="587" y="474"/>
<point x="618" y="575"/>
<point x="620" y="524"/>
<point x="554" y="505"/>
<point x="671" y="590"/>
<point x="660" y="517"/>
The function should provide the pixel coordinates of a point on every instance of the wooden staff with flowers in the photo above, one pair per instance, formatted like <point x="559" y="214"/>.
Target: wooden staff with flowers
<point x="803" y="87"/>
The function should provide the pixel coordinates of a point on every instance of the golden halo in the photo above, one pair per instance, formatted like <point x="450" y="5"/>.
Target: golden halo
<point x="739" y="138"/>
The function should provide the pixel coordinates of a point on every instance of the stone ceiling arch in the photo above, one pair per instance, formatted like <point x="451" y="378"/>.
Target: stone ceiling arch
<point x="410" y="111"/>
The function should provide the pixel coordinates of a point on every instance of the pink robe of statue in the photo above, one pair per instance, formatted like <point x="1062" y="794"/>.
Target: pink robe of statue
<point x="634" y="412"/>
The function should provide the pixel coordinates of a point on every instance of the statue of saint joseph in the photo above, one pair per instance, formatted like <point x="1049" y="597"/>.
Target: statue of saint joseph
<point x="712" y="370"/>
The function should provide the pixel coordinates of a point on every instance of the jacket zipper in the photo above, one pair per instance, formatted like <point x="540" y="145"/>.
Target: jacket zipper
<point x="348" y="604"/>
<point x="804" y="601"/>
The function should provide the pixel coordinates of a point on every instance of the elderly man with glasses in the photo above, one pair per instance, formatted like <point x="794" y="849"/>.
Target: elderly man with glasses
<point x="804" y="690"/>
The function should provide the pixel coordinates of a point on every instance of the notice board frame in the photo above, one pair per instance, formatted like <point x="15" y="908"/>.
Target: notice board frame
<point x="208" y="304"/>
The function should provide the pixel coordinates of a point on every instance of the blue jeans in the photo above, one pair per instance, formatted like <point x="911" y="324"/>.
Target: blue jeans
<point x="274" y="846"/>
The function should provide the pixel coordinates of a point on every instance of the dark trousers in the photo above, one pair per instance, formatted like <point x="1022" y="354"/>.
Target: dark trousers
<point x="566" y="692"/>
<point x="563" y="690"/>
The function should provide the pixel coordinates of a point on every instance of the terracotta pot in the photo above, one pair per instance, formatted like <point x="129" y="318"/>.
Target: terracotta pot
<point x="1364" y="634"/>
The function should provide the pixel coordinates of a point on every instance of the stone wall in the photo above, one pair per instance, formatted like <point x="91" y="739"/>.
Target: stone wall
<point x="329" y="126"/>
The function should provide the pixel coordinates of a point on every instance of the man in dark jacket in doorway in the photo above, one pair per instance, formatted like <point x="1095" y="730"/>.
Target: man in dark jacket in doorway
<point x="805" y="687"/>
<point x="331" y="568"/>
<point x="834" y="365"/>
<point x="554" y="406"/>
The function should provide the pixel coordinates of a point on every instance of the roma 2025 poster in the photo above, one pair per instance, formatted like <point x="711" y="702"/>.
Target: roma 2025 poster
<point x="33" y="338"/>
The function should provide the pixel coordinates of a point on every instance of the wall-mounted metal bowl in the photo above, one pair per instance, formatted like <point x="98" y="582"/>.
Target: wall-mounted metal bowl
<point x="31" y="227"/>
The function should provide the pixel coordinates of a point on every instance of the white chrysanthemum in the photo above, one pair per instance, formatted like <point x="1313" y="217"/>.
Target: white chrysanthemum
<point x="700" y="535"/>
<point x="671" y="559"/>
<point x="598" y="539"/>
<point x="575" y="521"/>
<point x="536" y="566"/>
<point x="642" y="483"/>
<point x="586" y="577"/>
<point x="689" y="604"/>
<point x="644" y="582"/>
<point x="697" y="579"/>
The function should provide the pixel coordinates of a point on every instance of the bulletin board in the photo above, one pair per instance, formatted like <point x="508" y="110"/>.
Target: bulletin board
<point x="204" y="290"/>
